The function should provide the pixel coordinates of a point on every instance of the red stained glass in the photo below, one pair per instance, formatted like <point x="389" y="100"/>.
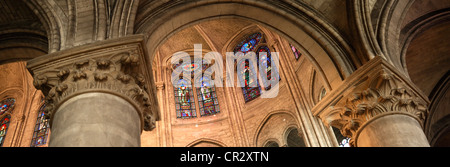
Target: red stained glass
<point x="264" y="53"/>
<point x="41" y="129"/>
<point x="296" y="52"/>
<point x="207" y="98"/>
<point x="7" y="105"/>
<point x="246" y="46"/>
<point x="4" y="128"/>
<point x="184" y="100"/>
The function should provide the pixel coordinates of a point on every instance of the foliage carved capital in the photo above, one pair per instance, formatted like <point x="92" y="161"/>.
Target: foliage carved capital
<point x="373" y="92"/>
<point x="117" y="70"/>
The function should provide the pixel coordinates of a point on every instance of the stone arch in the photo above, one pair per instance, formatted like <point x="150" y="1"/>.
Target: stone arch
<point x="239" y="36"/>
<point x="287" y="135"/>
<point x="425" y="32"/>
<point x="73" y="23"/>
<point x="23" y="36"/>
<point x="417" y="27"/>
<point x="257" y="135"/>
<point x="403" y="28"/>
<point x="206" y="142"/>
<point x="166" y="78"/>
<point x="437" y="124"/>
<point x="396" y="23"/>
<point x="20" y="87"/>
<point x="166" y="62"/>
<point x="297" y="25"/>
<point x="51" y="18"/>
<point x="271" y="143"/>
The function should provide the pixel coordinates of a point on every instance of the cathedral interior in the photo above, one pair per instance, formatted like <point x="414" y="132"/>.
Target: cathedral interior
<point x="352" y="73"/>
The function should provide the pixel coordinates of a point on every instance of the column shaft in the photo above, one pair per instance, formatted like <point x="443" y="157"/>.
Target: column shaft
<point x="96" y="119"/>
<point x="100" y="94"/>
<point x="392" y="131"/>
<point x="377" y="107"/>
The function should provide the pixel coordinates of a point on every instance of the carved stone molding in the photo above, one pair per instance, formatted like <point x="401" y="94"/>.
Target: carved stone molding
<point x="160" y="85"/>
<point x="373" y="91"/>
<point x="117" y="67"/>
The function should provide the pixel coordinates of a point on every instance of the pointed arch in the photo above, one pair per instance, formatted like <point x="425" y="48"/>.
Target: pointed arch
<point x="51" y="18"/>
<point x="208" y="141"/>
<point x="327" y="47"/>
<point x="204" y="96"/>
<point x="266" y="119"/>
<point x="293" y="137"/>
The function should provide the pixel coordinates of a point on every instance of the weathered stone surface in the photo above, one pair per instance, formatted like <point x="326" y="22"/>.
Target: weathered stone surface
<point x="96" y="120"/>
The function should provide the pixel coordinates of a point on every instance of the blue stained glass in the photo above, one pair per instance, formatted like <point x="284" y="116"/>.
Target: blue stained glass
<point x="41" y="129"/>
<point x="6" y="108"/>
<point x="248" y="79"/>
<point x="266" y="62"/>
<point x="7" y="105"/>
<point x="194" y="67"/>
<point x="4" y="125"/>
<point x="245" y="46"/>
<point x="184" y="99"/>
<point x="249" y="44"/>
<point x="345" y="143"/>
<point x="207" y="98"/>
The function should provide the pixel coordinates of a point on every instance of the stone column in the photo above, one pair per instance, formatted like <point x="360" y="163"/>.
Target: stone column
<point x="100" y="94"/>
<point x="377" y="107"/>
<point x="162" y="130"/>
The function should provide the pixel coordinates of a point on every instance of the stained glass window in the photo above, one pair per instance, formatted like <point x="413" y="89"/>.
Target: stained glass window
<point x="41" y="129"/>
<point x="342" y="140"/>
<point x="249" y="92"/>
<point x="7" y="105"/>
<point x="267" y="62"/>
<point x="4" y="124"/>
<point x="345" y="142"/>
<point x="207" y="98"/>
<point x="296" y="52"/>
<point x="193" y="67"/>
<point x="246" y="46"/>
<point x="6" y="109"/>
<point x="184" y="100"/>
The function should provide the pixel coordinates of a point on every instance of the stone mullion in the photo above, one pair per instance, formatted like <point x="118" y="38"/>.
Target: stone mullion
<point x="160" y="87"/>
<point x="167" y="114"/>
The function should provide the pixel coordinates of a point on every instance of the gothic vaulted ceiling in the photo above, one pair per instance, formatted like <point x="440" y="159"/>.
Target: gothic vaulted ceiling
<point x="22" y="36"/>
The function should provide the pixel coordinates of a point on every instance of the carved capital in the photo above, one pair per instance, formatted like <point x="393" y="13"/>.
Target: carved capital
<point x="373" y="91"/>
<point x="117" y="68"/>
